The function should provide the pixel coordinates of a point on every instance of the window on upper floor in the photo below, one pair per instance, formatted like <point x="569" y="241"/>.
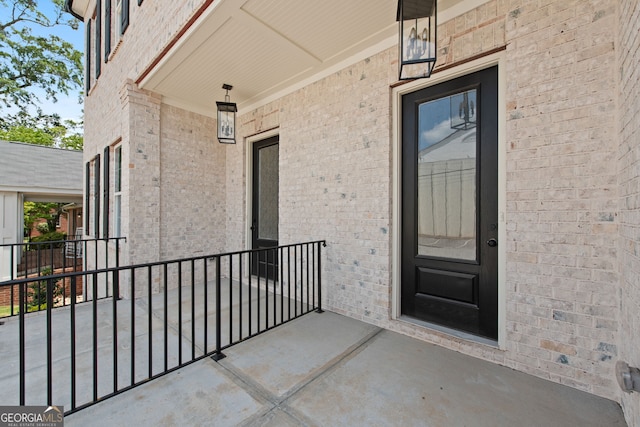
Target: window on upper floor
<point x="107" y="29"/>
<point x="98" y="38"/>
<point x="87" y="59"/>
<point x="93" y="48"/>
<point x="122" y="16"/>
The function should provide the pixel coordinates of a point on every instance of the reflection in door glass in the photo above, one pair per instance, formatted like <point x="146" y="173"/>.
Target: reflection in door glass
<point x="447" y="177"/>
<point x="268" y="192"/>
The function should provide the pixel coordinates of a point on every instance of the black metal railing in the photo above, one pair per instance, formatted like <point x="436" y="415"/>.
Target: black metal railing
<point x="170" y="314"/>
<point x="54" y="258"/>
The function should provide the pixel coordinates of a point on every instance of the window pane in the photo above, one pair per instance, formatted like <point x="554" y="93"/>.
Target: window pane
<point x="118" y="167"/>
<point x="447" y="177"/>
<point x="116" y="216"/>
<point x="268" y="192"/>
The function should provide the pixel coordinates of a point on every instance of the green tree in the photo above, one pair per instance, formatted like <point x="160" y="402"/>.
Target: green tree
<point x="29" y="60"/>
<point x="34" y="211"/>
<point x="72" y="142"/>
<point x="24" y="134"/>
<point x="47" y="130"/>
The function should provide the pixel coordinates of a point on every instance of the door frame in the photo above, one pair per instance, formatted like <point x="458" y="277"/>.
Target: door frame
<point x="248" y="213"/>
<point x="396" y="217"/>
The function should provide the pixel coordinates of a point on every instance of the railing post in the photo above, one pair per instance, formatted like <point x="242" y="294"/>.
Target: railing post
<point x="114" y="308"/>
<point x="94" y="324"/>
<point x="53" y="262"/>
<point x="50" y="284"/>
<point x="85" y="264"/>
<point x="64" y="270"/>
<point x="72" y="318"/>
<point x="39" y="274"/>
<point x="116" y="277"/>
<point x="320" y="244"/>
<point x="106" y="265"/>
<point x="22" y="309"/>
<point x="218" y="355"/>
<point x="11" y="276"/>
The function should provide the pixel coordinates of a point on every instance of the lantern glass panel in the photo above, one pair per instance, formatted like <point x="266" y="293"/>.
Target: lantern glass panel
<point x="226" y="123"/>
<point x="418" y="35"/>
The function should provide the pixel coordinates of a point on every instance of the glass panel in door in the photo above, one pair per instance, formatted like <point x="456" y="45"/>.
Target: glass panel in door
<point x="446" y="166"/>
<point x="268" y="192"/>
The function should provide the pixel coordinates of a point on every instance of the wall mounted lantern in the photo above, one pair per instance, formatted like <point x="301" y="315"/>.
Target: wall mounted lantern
<point x="418" y="27"/>
<point x="227" y="118"/>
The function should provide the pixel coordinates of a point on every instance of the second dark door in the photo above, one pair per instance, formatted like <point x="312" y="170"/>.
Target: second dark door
<point x="265" y="207"/>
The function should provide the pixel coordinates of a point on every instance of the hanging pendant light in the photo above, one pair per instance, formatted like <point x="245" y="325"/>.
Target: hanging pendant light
<point x="227" y="118"/>
<point x="417" y="19"/>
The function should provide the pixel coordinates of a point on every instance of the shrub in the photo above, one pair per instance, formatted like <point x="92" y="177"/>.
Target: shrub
<point x="51" y="237"/>
<point x="37" y="293"/>
<point x="43" y="228"/>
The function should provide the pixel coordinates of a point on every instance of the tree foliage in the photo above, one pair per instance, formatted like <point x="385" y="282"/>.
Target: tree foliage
<point x="49" y="130"/>
<point x="29" y="60"/>
<point x="34" y="211"/>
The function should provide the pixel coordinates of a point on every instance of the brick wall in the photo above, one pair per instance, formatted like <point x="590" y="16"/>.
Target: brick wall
<point x="116" y="111"/>
<point x="141" y="187"/>
<point x="192" y="178"/>
<point x="62" y="228"/>
<point x="628" y="157"/>
<point x="562" y="283"/>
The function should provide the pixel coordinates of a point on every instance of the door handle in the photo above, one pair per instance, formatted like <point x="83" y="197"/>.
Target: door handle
<point x="492" y="243"/>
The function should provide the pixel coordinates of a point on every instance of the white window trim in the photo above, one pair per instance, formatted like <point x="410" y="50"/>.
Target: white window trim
<point x="92" y="197"/>
<point x="117" y="192"/>
<point x="118" y="18"/>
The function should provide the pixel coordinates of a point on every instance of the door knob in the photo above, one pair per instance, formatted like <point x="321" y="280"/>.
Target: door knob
<point x="492" y="242"/>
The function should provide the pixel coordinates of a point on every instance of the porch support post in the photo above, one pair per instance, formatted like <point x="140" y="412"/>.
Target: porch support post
<point x="141" y="176"/>
<point x="320" y="245"/>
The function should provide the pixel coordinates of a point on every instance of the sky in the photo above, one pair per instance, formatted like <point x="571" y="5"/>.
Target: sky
<point x="67" y="106"/>
<point x="435" y="118"/>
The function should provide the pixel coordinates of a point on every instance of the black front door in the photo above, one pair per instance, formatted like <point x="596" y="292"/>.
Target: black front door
<point x="264" y="224"/>
<point x="450" y="204"/>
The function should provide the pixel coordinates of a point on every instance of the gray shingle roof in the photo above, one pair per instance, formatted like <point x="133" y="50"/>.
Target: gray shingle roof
<point x="25" y="167"/>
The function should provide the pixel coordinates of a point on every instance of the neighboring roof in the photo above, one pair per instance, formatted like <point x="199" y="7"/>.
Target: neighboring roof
<point x="29" y="168"/>
<point x="460" y="144"/>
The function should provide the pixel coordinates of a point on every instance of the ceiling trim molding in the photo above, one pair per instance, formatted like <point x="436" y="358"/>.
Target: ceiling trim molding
<point x="158" y="69"/>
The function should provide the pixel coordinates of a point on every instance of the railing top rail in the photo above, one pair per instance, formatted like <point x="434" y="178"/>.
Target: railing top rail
<point x="154" y="264"/>
<point x="53" y="242"/>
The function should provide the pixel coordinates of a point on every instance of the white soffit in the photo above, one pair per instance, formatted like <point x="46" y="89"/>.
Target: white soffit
<point x="268" y="48"/>
<point x="81" y="7"/>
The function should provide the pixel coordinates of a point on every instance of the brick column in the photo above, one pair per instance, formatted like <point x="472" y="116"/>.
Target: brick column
<point x="141" y="173"/>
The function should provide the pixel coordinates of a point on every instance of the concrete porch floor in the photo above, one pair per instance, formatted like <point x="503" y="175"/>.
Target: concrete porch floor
<point x="330" y="370"/>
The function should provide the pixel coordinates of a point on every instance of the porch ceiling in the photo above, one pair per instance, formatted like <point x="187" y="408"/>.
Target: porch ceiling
<point x="266" y="48"/>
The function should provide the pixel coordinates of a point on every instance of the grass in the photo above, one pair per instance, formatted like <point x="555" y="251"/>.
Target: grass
<point x="5" y="310"/>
